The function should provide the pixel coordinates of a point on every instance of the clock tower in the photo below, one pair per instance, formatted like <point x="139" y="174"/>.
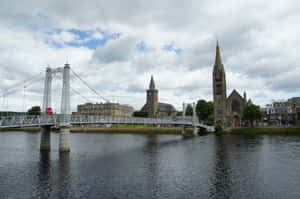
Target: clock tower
<point x="152" y="99"/>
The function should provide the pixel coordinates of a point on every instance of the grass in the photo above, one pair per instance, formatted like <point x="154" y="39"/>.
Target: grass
<point x="132" y="125"/>
<point x="21" y="129"/>
<point x="266" y="131"/>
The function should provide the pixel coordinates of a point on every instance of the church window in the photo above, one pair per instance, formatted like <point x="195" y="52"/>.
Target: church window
<point x="235" y="106"/>
<point x="219" y="76"/>
<point x="219" y="89"/>
<point x="220" y="112"/>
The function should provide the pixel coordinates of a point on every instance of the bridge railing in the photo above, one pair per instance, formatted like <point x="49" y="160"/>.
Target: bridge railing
<point x="60" y="120"/>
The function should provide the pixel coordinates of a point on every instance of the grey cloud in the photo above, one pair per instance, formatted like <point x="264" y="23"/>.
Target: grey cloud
<point x="118" y="50"/>
<point x="133" y="88"/>
<point x="288" y="81"/>
<point x="257" y="40"/>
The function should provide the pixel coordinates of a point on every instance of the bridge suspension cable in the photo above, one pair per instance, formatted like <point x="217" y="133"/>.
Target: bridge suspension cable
<point x="78" y="93"/>
<point x="12" y="89"/>
<point x="87" y="85"/>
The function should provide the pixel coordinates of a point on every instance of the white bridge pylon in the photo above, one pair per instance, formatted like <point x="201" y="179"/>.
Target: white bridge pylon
<point x="65" y="97"/>
<point x="194" y="118"/>
<point x="64" y="136"/>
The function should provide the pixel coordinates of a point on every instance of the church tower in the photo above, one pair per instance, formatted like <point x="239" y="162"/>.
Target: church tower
<point x="152" y="99"/>
<point x="219" y="88"/>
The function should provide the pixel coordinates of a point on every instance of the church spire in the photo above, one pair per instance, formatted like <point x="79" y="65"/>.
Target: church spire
<point x="152" y="84"/>
<point x="218" y="61"/>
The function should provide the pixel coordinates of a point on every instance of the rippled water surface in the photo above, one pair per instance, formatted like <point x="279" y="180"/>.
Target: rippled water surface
<point x="156" y="166"/>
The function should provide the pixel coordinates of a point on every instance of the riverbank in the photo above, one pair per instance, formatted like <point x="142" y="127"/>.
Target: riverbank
<point x="172" y="131"/>
<point x="265" y="131"/>
<point x="144" y="130"/>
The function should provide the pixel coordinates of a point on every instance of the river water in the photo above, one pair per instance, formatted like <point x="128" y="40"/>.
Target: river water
<point x="150" y="166"/>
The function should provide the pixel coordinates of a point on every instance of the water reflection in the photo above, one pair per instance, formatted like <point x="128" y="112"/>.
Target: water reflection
<point x="152" y="140"/>
<point x="156" y="166"/>
<point x="222" y="180"/>
<point x="151" y="165"/>
<point x="53" y="184"/>
<point x="44" y="184"/>
<point x="64" y="179"/>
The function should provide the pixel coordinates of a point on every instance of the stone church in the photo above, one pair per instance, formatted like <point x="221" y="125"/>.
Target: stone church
<point x="155" y="108"/>
<point x="227" y="110"/>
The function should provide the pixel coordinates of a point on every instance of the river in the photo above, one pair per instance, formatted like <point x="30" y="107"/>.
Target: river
<point x="150" y="166"/>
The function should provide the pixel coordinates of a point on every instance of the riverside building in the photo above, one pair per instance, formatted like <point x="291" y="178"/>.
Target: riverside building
<point x="112" y="109"/>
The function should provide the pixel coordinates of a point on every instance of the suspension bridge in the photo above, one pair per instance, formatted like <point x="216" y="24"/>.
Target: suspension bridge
<point x="65" y="119"/>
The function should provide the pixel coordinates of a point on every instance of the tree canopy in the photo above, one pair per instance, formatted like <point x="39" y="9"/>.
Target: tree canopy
<point x="35" y="110"/>
<point x="205" y="110"/>
<point x="189" y="110"/>
<point x="179" y="113"/>
<point x="140" y="114"/>
<point x="252" y="113"/>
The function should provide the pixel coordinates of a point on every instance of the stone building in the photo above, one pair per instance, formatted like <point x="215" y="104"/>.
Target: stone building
<point x="227" y="110"/>
<point x="113" y="109"/>
<point x="155" y="108"/>
<point x="282" y="112"/>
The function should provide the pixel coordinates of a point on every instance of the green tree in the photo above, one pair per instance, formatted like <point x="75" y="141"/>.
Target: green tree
<point x="179" y="113"/>
<point x="189" y="110"/>
<point x="204" y="109"/>
<point x="218" y="129"/>
<point x="140" y="114"/>
<point x="35" y="110"/>
<point x="252" y="113"/>
<point x="3" y="114"/>
<point x="211" y="118"/>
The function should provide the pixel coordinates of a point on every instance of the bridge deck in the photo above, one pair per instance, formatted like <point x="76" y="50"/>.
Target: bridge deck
<point x="58" y="120"/>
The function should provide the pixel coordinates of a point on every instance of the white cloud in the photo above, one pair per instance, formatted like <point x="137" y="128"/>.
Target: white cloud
<point x="259" y="47"/>
<point x="64" y="36"/>
<point x="97" y="35"/>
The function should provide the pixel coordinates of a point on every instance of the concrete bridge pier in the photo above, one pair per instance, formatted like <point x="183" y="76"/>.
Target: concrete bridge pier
<point x="45" y="144"/>
<point x="64" y="139"/>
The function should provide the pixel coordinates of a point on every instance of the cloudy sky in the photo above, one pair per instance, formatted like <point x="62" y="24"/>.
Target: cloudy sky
<point x="116" y="45"/>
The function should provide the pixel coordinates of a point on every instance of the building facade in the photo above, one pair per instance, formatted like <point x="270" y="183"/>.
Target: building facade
<point x="155" y="108"/>
<point x="227" y="110"/>
<point x="113" y="109"/>
<point x="282" y="112"/>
